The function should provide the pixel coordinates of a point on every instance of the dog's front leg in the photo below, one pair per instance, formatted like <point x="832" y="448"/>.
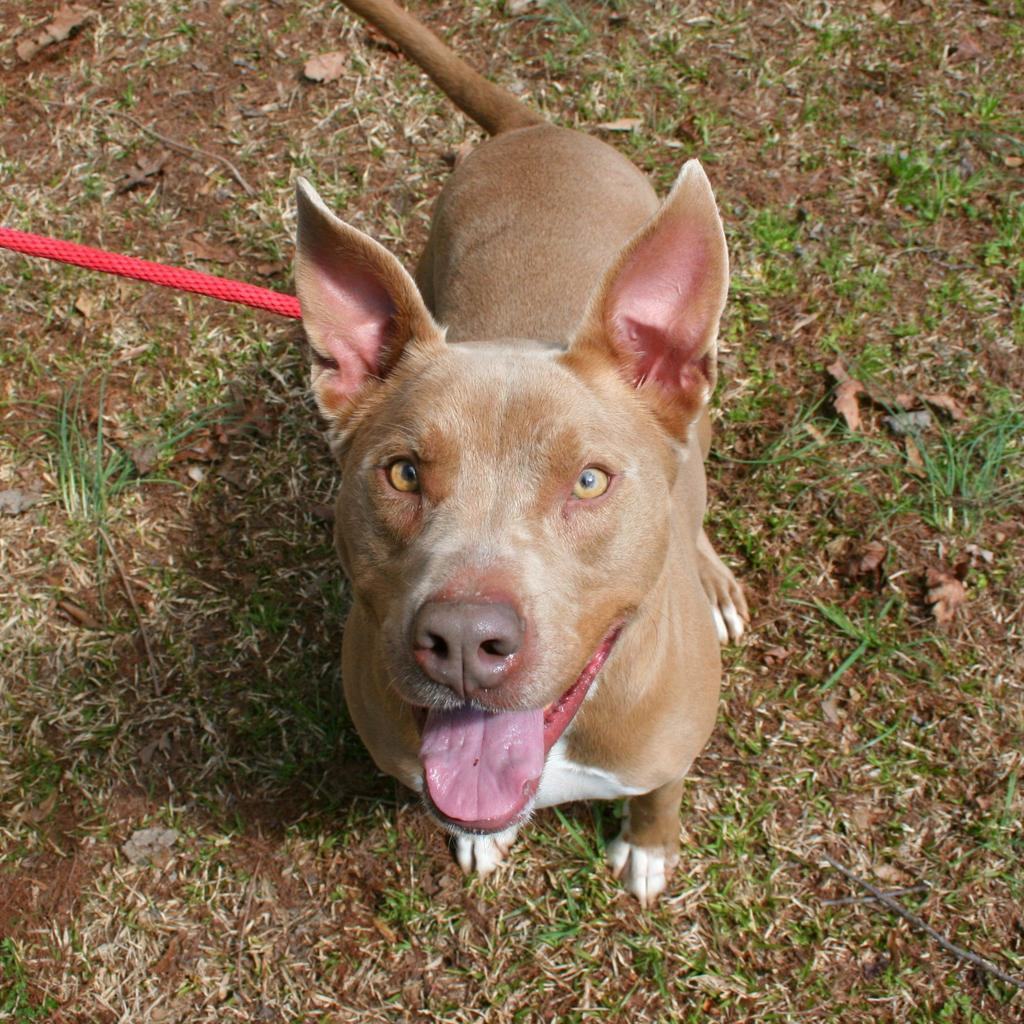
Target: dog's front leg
<point x="647" y="848"/>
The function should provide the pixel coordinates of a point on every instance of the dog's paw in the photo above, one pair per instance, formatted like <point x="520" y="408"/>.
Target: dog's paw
<point x="643" y="870"/>
<point x="482" y="854"/>
<point x="728" y="622"/>
<point x="724" y="594"/>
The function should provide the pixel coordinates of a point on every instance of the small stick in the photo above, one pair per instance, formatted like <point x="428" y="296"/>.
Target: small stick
<point x="950" y="947"/>
<point x="181" y="147"/>
<point x="845" y="901"/>
<point x="157" y="685"/>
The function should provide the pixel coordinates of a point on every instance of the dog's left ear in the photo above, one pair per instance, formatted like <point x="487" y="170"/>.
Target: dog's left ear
<point x="360" y="308"/>
<point x="656" y="313"/>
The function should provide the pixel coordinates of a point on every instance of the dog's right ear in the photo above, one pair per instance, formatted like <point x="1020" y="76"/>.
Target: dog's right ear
<point x="360" y="308"/>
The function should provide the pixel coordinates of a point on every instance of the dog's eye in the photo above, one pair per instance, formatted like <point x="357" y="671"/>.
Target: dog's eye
<point x="591" y="483"/>
<point x="403" y="477"/>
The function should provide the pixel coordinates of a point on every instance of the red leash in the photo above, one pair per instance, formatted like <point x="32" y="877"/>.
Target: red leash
<point x="155" y="273"/>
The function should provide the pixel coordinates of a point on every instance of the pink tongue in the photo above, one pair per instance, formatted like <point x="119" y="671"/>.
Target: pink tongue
<point x="482" y="768"/>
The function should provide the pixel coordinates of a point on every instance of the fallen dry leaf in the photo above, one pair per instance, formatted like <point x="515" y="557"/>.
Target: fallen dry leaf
<point x="866" y="561"/>
<point x="14" y="501"/>
<point x="144" y="455"/>
<point x="837" y="548"/>
<point x="623" y="124"/>
<point x="891" y="874"/>
<point x="68" y="18"/>
<point x="325" y="67"/>
<point x="873" y="556"/>
<point x="964" y="49"/>
<point x="945" y="594"/>
<point x="981" y="553"/>
<point x="846" y="404"/>
<point x="837" y="371"/>
<point x="169" y="959"/>
<point x="200" y="249"/>
<point x="162" y="744"/>
<point x="34" y="815"/>
<point x="845" y="399"/>
<point x="144" y="169"/>
<point x="862" y="817"/>
<point x="255" y="418"/>
<point x="830" y="708"/>
<point x="235" y="475"/>
<point x="948" y="404"/>
<point x="200" y="448"/>
<point x="86" y="304"/>
<point x="915" y="463"/>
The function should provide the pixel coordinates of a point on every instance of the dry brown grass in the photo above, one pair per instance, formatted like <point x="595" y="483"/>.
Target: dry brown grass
<point x="869" y="176"/>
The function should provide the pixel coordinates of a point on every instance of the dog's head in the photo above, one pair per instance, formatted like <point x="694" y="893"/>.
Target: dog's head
<point x="505" y="508"/>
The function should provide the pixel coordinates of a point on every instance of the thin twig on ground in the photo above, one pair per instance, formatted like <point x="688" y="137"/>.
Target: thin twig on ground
<point x="950" y="947"/>
<point x="845" y="901"/>
<point x="182" y="147"/>
<point x="150" y="657"/>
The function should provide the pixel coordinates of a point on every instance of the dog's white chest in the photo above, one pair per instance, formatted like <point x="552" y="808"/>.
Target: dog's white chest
<point x="565" y="780"/>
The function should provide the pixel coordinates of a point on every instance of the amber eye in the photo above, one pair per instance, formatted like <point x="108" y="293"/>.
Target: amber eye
<point x="403" y="477"/>
<point x="591" y="483"/>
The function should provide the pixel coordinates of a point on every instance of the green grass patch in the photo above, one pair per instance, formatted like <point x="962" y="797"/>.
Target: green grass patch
<point x="90" y="471"/>
<point x="977" y="473"/>
<point x="16" y="1001"/>
<point x="931" y="185"/>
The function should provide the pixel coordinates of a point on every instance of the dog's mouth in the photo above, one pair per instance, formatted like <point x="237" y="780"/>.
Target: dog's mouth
<point x="481" y="769"/>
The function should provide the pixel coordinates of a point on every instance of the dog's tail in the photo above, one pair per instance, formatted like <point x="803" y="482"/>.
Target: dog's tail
<point x="494" y="109"/>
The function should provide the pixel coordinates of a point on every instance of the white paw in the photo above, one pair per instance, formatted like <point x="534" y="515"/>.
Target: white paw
<point x="483" y="854"/>
<point x="644" y="871"/>
<point x="720" y="626"/>
<point x="728" y="621"/>
<point x="724" y="594"/>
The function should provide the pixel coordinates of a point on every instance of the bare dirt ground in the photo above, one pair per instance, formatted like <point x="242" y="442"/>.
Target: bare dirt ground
<point x="170" y="606"/>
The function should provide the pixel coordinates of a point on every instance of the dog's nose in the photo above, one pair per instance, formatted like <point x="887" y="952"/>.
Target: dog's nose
<point x="467" y="646"/>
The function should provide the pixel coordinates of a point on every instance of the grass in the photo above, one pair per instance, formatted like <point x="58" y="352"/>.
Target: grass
<point x="90" y="472"/>
<point x="977" y="473"/>
<point x="865" y="634"/>
<point x="930" y="186"/>
<point x="872" y="205"/>
<point x="17" y="1003"/>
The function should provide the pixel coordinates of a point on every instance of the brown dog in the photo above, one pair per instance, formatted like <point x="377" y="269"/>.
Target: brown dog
<point x="521" y="436"/>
